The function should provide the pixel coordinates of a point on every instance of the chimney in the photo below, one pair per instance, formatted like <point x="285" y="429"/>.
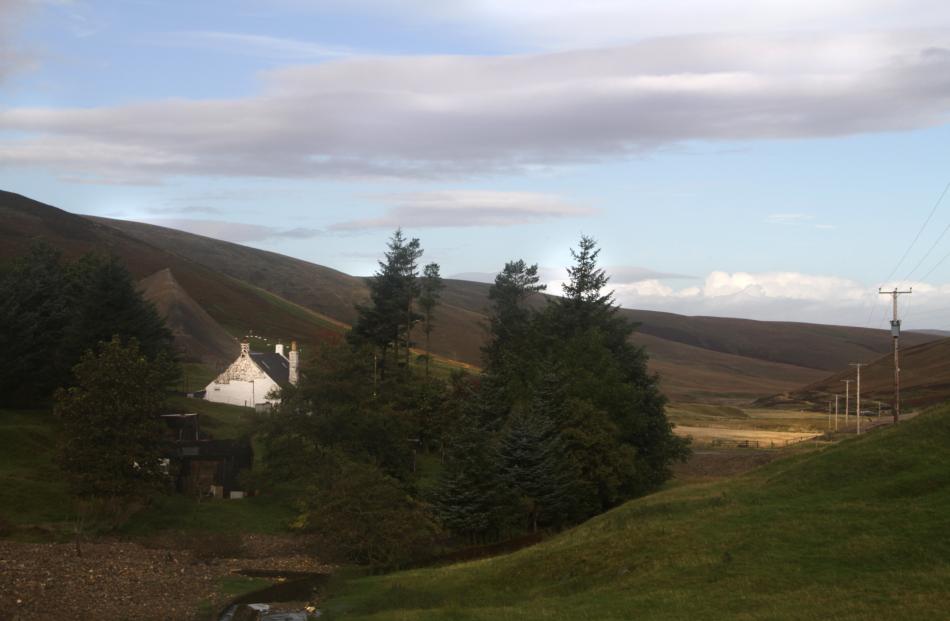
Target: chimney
<point x="245" y="349"/>
<point x="280" y="349"/>
<point x="294" y="374"/>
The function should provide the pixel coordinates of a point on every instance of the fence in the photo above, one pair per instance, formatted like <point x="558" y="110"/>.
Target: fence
<point x="756" y="444"/>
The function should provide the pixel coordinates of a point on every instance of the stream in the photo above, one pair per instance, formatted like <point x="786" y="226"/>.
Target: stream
<point x="296" y="587"/>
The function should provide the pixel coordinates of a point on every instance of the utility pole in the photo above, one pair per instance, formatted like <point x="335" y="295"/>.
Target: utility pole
<point x="878" y="409"/>
<point x="847" y="400"/>
<point x="895" y="334"/>
<point x="858" y="366"/>
<point x="836" y="412"/>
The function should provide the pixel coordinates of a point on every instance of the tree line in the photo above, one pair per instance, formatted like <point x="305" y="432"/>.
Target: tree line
<point x="564" y="422"/>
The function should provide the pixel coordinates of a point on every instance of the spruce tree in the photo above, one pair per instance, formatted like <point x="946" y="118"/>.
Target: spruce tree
<point x="430" y="291"/>
<point x="472" y="498"/>
<point x="388" y="319"/>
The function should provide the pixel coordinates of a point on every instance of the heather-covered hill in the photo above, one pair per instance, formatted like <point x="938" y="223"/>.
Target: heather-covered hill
<point x="244" y="288"/>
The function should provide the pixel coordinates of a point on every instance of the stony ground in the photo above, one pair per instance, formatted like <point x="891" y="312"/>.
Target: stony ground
<point x="118" y="580"/>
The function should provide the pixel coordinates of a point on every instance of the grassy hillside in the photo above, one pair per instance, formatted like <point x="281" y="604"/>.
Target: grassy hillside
<point x="925" y="378"/>
<point x="853" y="531"/>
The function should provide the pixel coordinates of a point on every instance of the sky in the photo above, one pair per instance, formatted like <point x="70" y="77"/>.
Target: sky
<point x="775" y="160"/>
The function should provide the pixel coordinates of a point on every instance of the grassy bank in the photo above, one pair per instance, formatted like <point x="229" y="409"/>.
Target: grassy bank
<point x="852" y="531"/>
<point x="36" y="504"/>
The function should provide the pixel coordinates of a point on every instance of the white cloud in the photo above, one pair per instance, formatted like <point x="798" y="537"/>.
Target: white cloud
<point x="237" y="232"/>
<point x="12" y="57"/>
<point x="791" y="296"/>
<point x="275" y="48"/>
<point x="586" y="23"/>
<point x="464" y="208"/>
<point x="457" y="116"/>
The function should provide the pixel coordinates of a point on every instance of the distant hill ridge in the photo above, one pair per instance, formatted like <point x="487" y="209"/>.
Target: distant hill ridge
<point x="244" y="288"/>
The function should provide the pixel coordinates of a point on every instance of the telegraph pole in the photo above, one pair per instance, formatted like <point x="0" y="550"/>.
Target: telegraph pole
<point x="836" y="412"/>
<point x="895" y="334"/>
<point x="858" y="366"/>
<point x="847" y="400"/>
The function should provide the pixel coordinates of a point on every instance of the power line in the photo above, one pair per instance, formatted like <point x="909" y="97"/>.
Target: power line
<point x="919" y="233"/>
<point x="913" y="243"/>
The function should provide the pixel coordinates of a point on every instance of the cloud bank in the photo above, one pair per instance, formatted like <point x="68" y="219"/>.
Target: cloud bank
<point x="790" y="296"/>
<point x="237" y="232"/>
<point x="429" y="117"/>
<point x="465" y="208"/>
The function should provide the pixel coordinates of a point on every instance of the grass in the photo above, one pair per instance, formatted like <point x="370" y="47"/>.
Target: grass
<point x="852" y="531"/>
<point x="32" y="490"/>
<point x="222" y="421"/>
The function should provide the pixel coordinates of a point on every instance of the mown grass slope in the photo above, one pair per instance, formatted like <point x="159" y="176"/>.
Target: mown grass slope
<point x="858" y="530"/>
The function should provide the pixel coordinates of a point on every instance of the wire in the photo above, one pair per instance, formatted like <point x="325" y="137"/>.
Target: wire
<point x="939" y="263"/>
<point x="917" y="237"/>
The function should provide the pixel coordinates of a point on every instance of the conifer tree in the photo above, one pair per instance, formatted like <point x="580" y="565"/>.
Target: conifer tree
<point x="471" y="497"/>
<point x="388" y="319"/>
<point x="429" y="296"/>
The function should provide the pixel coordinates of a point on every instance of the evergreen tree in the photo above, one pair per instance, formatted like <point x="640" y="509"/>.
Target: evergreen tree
<point x="51" y="313"/>
<point x="472" y="498"/>
<point x="538" y="469"/>
<point x="34" y="315"/>
<point x="388" y="319"/>
<point x="430" y="293"/>
<point x="513" y="343"/>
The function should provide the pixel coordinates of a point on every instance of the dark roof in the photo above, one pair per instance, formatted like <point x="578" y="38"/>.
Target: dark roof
<point x="275" y="365"/>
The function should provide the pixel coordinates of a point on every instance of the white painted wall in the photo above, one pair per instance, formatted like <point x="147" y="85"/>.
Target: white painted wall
<point x="243" y="383"/>
<point x="243" y="393"/>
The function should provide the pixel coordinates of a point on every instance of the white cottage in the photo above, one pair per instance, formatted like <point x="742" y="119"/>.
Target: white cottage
<point x="254" y="378"/>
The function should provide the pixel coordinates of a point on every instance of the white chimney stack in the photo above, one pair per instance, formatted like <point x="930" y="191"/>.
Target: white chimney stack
<point x="280" y="349"/>
<point x="294" y="373"/>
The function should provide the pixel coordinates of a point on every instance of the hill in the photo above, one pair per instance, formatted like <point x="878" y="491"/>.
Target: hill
<point x="856" y="530"/>
<point x="197" y="335"/>
<point x="925" y="379"/>
<point x="245" y="289"/>
<point x="234" y="304"/>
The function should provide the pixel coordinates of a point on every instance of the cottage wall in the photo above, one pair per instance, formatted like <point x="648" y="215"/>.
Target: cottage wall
<point x="241" y="392"/>
<point x="243" y="383"/>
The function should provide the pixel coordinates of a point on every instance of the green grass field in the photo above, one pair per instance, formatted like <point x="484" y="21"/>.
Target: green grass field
<point x="35" y="501"/>
<point x="856" y="530"/>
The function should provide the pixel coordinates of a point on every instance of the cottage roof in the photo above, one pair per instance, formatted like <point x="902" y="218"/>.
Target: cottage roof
<point x="276" y="366"/>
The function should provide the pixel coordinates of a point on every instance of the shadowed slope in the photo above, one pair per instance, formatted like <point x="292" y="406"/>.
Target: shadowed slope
<point x="235" y="305"/>
<point x="925" y="379"/>
<point x="197" y="335"/>
<point x="852" y="531"/>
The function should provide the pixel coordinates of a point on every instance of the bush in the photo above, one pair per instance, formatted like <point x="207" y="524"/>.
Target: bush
<point x="360" y="515"/>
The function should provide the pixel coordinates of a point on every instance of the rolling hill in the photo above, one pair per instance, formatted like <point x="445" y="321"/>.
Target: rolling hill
<point x="925" y="379"/>
<point x="856" y="530"/>
<point x="242" y="288"/>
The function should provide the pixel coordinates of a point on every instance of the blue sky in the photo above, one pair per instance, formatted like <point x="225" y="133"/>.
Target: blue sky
<point x="772" y="161"/>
